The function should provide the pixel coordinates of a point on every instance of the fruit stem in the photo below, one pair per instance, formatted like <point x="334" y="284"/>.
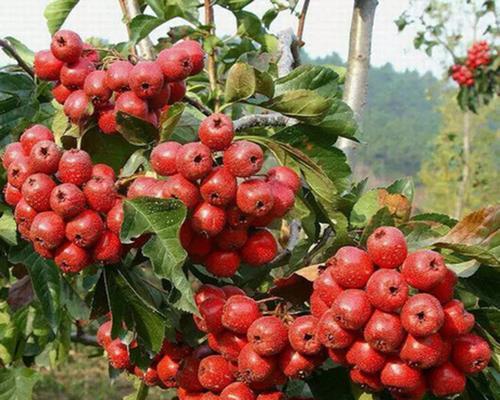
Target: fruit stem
<point x="211" y="65"/>
<point x="268" y="299"/>
<point x="13" y="53"/>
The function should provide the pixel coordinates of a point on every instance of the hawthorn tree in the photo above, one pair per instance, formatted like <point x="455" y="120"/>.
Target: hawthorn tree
<point x="296" y="113"/>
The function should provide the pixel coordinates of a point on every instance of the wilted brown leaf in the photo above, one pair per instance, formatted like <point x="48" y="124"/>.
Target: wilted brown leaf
<point x="20" y="293"/>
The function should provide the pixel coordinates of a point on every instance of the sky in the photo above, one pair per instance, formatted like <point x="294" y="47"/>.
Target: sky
<point x="326" y="30"/>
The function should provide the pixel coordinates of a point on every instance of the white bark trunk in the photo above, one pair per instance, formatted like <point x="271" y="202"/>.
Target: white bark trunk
<point x="130" y="9"/>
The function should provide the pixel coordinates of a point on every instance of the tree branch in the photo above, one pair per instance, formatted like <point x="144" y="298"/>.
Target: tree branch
<point x="273" y="119"/>
<point x="302" y="21"/>
<point x="211" y="64"/>
<point x="83" y="338"/>
<point x="13" y="53"/>
<point x="196" y="104"/>
<point x="295" y="229"/>
<point x="130" y="9"/>
<point x="360" y="43"/>
<point x="289" y="52"/>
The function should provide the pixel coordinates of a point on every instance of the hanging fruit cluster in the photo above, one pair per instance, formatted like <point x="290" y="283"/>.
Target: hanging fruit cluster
<point x="478" y="58"/>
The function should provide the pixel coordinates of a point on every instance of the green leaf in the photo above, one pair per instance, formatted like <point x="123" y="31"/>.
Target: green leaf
<point x="26" y="54"/>
<point x="489" y="319"/>
<point x="484" y="284"/>
<point x="169" y="120"/>
<point x="17" y="383"/>
<point x="142" y="25"/>
<point x="169" y="9"/>
<point x="365" y="208"/>
<point x="240" y="83"/>
<point x="135" y="130"/>
<point x="339" y="121"/>
<point x="8" y="227"/>
<point x="141" y="392"/>
<point x="61" y="126"/>
<point x="163" y="218"/>
<point x="269" y="16"/>
<point x="321" y="79"/>
<point x="46" y="281"/>
<point x="233" y="5"/>
<point x="248" y="25"/>
<point x="186" y="129"/>
<point x="264" y="83"/>
<point x="56" y="13"/>
<point x="405" y="186"/>
<point x="383" y="217"/>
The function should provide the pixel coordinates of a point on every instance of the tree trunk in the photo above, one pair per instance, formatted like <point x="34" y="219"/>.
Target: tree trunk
<point x="462" y="189"/>
<point x="130" y="9"/>
<point x="360" y="43"/>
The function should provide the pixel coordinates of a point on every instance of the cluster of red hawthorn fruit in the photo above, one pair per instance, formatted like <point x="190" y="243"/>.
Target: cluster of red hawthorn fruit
<point x="391" y="318"/>
<point x="229" y="205"/>
<point x="62" y="201"/>
<point x="86" y="86"/>
<point x="478" y="56"/>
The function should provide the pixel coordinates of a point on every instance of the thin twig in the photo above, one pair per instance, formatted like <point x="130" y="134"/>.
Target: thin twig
<point x="302" y="21"/>
<point x="13" y="53"/>
<point x="83" y="338"/>
<point x="293" y="239"/>
<point x="196" y="104"/>
<point x="273" y="119"/>
<point x="327" y="234"/>
<point x="211" y="65"/>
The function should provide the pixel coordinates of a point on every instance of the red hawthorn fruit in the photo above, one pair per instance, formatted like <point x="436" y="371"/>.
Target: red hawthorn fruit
<point x="199" y="247"/>
<point x="284" y="199"/>
<point x="239" y="314"/>
<point x="150" y="377"/>
<point x="36" y="191"/>
<point x="141" y="186"/>
<point x="24" y="215"/>
<point x="61" y="93"/>
<point x="286" y="176"/>
<point x="32" y="136"/>
<point x="44" y="157"/>
<point x="295" y="365"/>
<point x="208" y="220"/>
<point x="243" y="158"/>
<point x="104" y="334"/>
<point x="85" y="229"/>
<point x="227" y="344"/>
<point x="216" y="132"/>
<point x="277" y="378"/>
<point x="187" y="376"/>
<point x="445" y="289"/>
<point x="237" y="219"/>
<point x="352" y="309"/>
<point x="424" y="269"/>
<point x="100" y="193"/>
<point x="338" y="356"/>
<point x="175" y="64"/>
<point x="160" y="99"/>
<point x="45" y="253"/>
<point x="78" y="107"/>
<point x="275" y="395"/>
<point x="219" y="187"/>
<point x="73" y="75"/>
<point x="215" y="373"/>
<point x="399" y="377"/>
<point x="130" y="103"/>
<point x="457" y="321"/>
<point x="183" y="394"/>
<point x="387" y="247"/>
<point x="368" y="382"/>
<point x="260" y="248"/>
<point x="384" y="332"/>
<point x="422" y="353"/>
<point x="18" y="172"/>
<point x="471" y="353"/>
<point x="117" y="76"/>
<point x="11" y="195"/>
<point x="163" y="158"/>
<point x="146" y="79"/>
<point x="387" y="290"/>
<point x="194" y="160"/>
<point x="67" y="200"/>
<point x="177" y="91"/>
<point x="167" y="370"/>
<point x="47" y="229"/>
<point x="446" y="380"/>
<point x="66" y="46"/>
<point x="268" y="336"/>
<point x="196" y="54"/>
<point x="178" y="187"/>
<point x="365" y="358"/>
<point x="70" y="258"/>
<point x="422" y="315"/>
<point x="211" y="312"/>
<point x="108" y="248"/>
<point x="231" y="239"/>
<point x="75" y="167"/>
<point x="222" y="264"/>
<point x="326" y="287"/>
<point x="90" y="53"/>
<point x="103" y="170"/>
<point x="230" y="291"/>
<point x="303" y="335"/>
<point x="118" y="355"/>
<point x="254" y="368"/>
<point x="114" y="218"/>
<point x="351" y="267"/>
<point x="208" y="291"/>
<point x="46" y="66"/>
<point x="95" y="87"/>
<point x="255" y="197"/>
<point x="331" y="334"/>
<point x="237" y="391"/>
<point x="13" y="151"/>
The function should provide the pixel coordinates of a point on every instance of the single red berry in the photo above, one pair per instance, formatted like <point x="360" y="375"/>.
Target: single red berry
<point x="146" y="79"/>
<point x="11" y="195"/>
<point x="117" y="76"/>
<point x="422" y="315"/>
<point x="207" y="291"/>
<point x="130" y="103"/>
<point x="230" y="291"/>
<point x="211" y="312"/>
<point x="254" y="368"/>
<point x="222" y="264"/>
<point x="239" y="313"/>
<point x="424" y="269"/>
<point x="208" y="220"/>
<point x="277" y="378"/>
<point x="368" y="382"/>
<point x="268" y="336"/>
<point x="227" y="344"/>
<point x="78" y="107"/>
<point x="295" y="365"/>
<point x="326" y="287"/>
<point x="237" y="219"/>
<point x="352" y="309"/>
<point x="150" y="377"/>
<point x="384" y="332"/>
<point x="194" y="161"/>
<point x="260" y="248"/>
<point x="66" y="46"/>
<point x="118" y="355"/>
<point x="67" y="200"/>
<point x="178" y="187"/>
<point x="303" y="335"/>
<point x="13" y="151"/>
<point x="387" y="247"/>
<point x="75" y="167"/>
<point x="104" y="334"/>
<point x="255" y="197"/>
<point x="444" y="289"/>
<point x="317" y="305"/>
<point x="108" y="248"/>
<point x="284" y="199"/>
<point x="365" y="358"/>
<point x="18" y="172"/>
<point x="85" y="229"/>
<point x="457" y="321"/>
<point x="114" y="218"/>
<point x="24" y="215"/>
<point x="187" y="376"/>
<point x="42" y="251"/>
<point x="387" y="290"/>
<point x="274" y="395"/>
<point x="160" y="99"/>
<point x="167" y="370"/>
<point x="471" y="353"/>
<point x="351" y="267"/>
<point x="47" y="230"/>
<point x="199" y="248"/>
<point x="399" y="377"/>
<point x="215" y="373"/>
<point x="331" y="334"/>
<point x="100" y="193"/>
<point x="70" y="258"/>
<point x="103" y="170"/>
<point x="175" y="64"/>
<point x="163" y="158"/>
<point x="219" y="187"/>
<point x="446" y="380"/>
<point x="143" y="186"/>
<point x="237" y="391"/>
<point x="177" y="91"/>
<point x="422" y="353"/>
<point x="216" y="132"/>
<point x="36" y="191"/>
<point x="61" y="93"/>
<point x="263" y="221"/>
<point x="90" y="53"/>
<point x="231" y="239"/>
<point x="95" y="87"/>
<point x="196" y="54"/>
<point x="44" y="157"/>
<point x="33" y="135"/>
<point x="243" y="158"/>
<point x="46" y="66"/>
<point x="338" y="356"/>
<point x="286" y="176"/>
<point x="184" y="394"/>
<point x="73" y="75"/>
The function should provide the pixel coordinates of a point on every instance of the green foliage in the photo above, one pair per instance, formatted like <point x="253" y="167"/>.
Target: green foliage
<point x="56" y="13"/>
<point x="17" y="383"/>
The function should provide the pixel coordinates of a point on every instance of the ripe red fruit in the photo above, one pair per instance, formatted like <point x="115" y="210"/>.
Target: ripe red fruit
<point x="75" y="167"/>
<point x="303" y="335"/>
<point x="146" y="79"/>
<point x="70" y="258"/>
<point x="130" y="103"/>
<point x="384" y="332"/>
<point x="268" y="336"/>
<point x="275" y="395"/>
<point x="36" y="191"/>
<point x="47" y="230"/>
<point x="199" y="247"/>
<point x="142" y="186"/>
<point x="471" y="353"/>
<point x="194" y="160"/>
<point x="368" y="382"/>
<point x="444" y="289"/>
<point x="67" y="200"/>
<point x="114" y="218"/>
<point x="196" y="54"/>
<point x="167" y="371"/>
<point x="457" y="321"/>
<point x="230" y="291"/>
<point x="211" y="312"/>
<point x="216" y="132"/>
<point x="227" y="344"/>
<point x="108" y="248"/>
<point x="85" y="229"/>
<point x="183" y="394"/>
<point x="222" y="264"/>
<point x="207" y="291"/>
<point x="231" y="239"/>
<point x="254" y="368"/>
<point x="117" y="76"/>
<point x="399" y="377"/>
<point x="100" y="193"/>
<point x="424" y="269"/>
<point x="387" y="247"/>
<point x="237" y="391"/>
<point x="338" y="356"/>
<point x="175" y="64"/>
<point x="387" y="290"/>
<point x="422" y="352"/>
<point x="295" y="365"/>
<point x="18" y="172"/>
<point x="47" y="67"/>
<point x="219" y="187"/>
<point x="215" y="373"/>
<point x="177" y="91"/>
<point x="351" y="267"/>
<point x="160" y="100"/>
<point x="73" y="75"/>
<point x="237" y="219"/>
<point x="255" y="197"/>
<point x="365" y="358"/>
<point x="284" y="199"/>
<point x="24" y="215"/>
<point x="78" y="107"/>
<point x="104" y="334"/>
<point x="32" y="136"/>
<point x="163" y="158"/>
<point x="90" y="53"/>
<point x="13" y="151"/>
<point x="243" y="158"/>
<point x="66" y="46"/>
<point x="286" y="176"/>
<point x="118" y="355"/>
<point x="239" y="313"/>
<point x="422" y="315"/>
<point x="352" y="309"/>
<point x="326" y="287"/>
<point x="95" y="87"/>
<point x="61" y="93"/>
<point x="446" y="380"/>
<point x="331" y="334"/>
<point x="11" y="195"/>
<point x="150" y="377"/>
<point x="44" y="157"/>
<point x="208" y="220"/>
<point x="187" y="376"/>
<point x="260" y="248"/>
<point x="103" y="170"/>
<point x="178" y="187"/>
